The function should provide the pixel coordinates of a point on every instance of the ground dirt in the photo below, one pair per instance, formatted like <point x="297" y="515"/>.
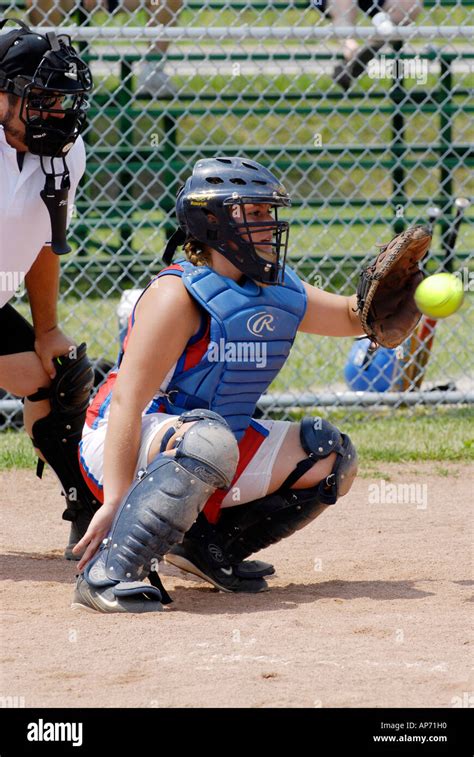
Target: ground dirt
<point x="370" y="606"/>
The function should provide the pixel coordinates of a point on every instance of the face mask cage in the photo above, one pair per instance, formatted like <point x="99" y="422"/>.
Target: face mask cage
<point x="54" y="101"/>
<point x="269" y="263"/>
<point x="55" y="113"/>
<point x="45" y="102"/>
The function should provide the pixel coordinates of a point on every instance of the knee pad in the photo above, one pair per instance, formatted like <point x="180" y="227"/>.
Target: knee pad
<point x="57" y="435"/>
<point x="165" y="501"/>
<point x="189" y="416"/>
<point x="319" y="438"/>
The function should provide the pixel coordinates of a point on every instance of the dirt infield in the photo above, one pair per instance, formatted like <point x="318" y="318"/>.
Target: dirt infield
<point x="370" y="607"/>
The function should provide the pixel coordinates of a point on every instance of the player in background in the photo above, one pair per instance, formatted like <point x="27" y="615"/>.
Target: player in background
<point x="383" y="13"/>
<point x="152" y="77"/>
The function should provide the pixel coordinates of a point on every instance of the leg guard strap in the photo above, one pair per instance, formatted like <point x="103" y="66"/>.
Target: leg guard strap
<point x="246" y="529"/>
<point x="318" y="438"/>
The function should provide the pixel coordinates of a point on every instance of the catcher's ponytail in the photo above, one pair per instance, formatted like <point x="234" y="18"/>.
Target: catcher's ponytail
<point x="195" y="254"/>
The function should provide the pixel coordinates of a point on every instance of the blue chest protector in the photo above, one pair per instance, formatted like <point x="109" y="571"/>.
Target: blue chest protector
<point x="252" y="329"/>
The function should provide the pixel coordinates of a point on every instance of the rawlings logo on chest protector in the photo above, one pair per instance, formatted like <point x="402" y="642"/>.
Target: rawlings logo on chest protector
<point x="260" y="323"/>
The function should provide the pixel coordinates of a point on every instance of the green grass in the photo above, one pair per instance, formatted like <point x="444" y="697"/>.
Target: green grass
<point x="16" y="451"/>
<point x="380" y="437"/>
<point x="401" y="436"/>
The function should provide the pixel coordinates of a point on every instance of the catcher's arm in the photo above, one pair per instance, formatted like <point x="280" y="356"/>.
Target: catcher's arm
<point x="330" y="314"/>
<point x="384" y="306"/>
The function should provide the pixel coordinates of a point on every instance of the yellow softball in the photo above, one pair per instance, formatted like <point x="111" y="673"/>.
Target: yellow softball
<point x="440" y="295"/>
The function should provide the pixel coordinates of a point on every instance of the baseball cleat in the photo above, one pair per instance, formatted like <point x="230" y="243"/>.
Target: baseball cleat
<point x="253" y="569"/>
<point x="207" y="562"/>
<point x="110" y="599"/>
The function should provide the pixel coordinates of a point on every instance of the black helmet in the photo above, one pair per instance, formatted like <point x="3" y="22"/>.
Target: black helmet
<point x="224" y="186"/>
<point x="42" y="69"/>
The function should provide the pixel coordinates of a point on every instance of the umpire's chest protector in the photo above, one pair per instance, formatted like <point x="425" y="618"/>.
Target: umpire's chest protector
<point x="252" y="329"/>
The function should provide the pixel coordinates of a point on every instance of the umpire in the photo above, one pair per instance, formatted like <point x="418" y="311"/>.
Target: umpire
<point x="44" y="87"/>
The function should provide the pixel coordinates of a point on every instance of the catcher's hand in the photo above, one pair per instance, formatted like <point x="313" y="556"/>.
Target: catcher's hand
<point x="385" y="302"/>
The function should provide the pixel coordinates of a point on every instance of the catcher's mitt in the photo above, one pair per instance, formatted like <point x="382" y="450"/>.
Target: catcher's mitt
<point x="385" y="302"/>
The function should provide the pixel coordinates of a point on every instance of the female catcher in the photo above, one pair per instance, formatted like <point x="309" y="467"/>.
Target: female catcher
<point x="170" y="445"/>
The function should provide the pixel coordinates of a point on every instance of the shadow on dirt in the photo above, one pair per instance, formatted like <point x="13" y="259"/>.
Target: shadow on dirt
<point x="37" y="566"/>
<point x="198" y="597"/>
<point x="190" y="599"/>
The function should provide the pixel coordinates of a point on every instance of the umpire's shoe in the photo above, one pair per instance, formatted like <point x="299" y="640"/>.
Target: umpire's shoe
<point x="206" y="559"/>
<point x="77" y="531"/>
<point x="75" y="535"/>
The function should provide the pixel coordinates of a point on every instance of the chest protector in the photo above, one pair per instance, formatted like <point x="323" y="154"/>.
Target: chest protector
<point x="252" y="329"/>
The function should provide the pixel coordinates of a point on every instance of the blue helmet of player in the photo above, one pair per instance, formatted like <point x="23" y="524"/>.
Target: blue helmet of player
<point x="370" y="371"/>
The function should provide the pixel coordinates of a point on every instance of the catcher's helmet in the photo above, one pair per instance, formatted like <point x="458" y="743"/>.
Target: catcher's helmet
<point x="223" y="187"/>
<point x="370" y="371"/>
<point x="42" y="70"/>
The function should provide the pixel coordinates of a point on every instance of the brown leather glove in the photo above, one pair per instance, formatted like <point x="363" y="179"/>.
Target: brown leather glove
<point x="385" y="301"/>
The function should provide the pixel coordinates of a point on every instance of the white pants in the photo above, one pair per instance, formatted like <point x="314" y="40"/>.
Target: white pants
<point x="252" y="483"/>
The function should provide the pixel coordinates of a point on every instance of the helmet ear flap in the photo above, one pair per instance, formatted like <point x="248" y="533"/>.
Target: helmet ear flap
<point x="177" y="239"/>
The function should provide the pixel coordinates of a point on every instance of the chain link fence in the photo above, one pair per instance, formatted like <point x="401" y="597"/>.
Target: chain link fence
<point x="175" y="82"/>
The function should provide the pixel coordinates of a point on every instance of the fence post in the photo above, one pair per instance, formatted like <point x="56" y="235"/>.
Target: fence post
<point x="446" y="154"/>
<point x="398" y="145"/>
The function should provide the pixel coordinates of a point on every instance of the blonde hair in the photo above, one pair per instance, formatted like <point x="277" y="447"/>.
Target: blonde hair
<point x="196" y="254"/>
